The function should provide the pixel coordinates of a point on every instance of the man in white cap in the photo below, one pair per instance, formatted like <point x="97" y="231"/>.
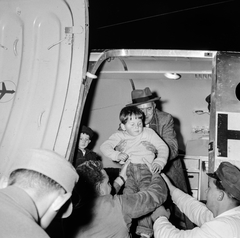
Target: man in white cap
<point x="219" y="218"/>
<point x="40" y="183"/>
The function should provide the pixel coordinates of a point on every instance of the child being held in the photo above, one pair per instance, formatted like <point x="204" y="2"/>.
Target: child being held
<point x="135" y="140"/>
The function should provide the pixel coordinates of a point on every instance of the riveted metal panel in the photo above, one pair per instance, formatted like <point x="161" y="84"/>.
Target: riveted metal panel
<point x="225" y="110"/>
<point x="43" y="55"/>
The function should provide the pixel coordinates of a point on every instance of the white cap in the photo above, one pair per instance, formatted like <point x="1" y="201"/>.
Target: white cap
<point x="50" y="164"/>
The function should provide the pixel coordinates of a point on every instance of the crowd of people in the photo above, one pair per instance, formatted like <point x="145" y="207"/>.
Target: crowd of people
<point x="150" y="185"/>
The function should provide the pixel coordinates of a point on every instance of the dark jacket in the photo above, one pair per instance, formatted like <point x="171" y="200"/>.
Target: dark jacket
<point x="113" y="214"/>
<point x="163" y="124"/>
<point x="89" y="155"/>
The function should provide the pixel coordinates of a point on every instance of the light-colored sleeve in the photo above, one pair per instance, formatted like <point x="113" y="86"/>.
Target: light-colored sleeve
<point x="107" y="147"/>
<point x="196" y="211"/>
<point x="117" y="184"/>
<point x="213" y="229"/>
<point x="161" y="147"/>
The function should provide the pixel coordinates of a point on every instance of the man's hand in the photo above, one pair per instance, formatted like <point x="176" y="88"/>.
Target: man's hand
<point x="156" y="168"/>
<point x="149" y="146"/>
<point x="160" y="211"/>
<point x="169" y="184"/>
<point x="149" y="165"/>
<point x="121" y="145"/>
<point x="123" y="171"/>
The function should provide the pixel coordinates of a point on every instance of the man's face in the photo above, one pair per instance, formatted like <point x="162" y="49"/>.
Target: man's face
<point x="134" y="126"/>
<point x="148" y="110"/>
<point x="212" y="196"/>
<point x="84" y="140"/>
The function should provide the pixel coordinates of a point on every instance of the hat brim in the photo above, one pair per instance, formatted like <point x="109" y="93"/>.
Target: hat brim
<point x="213" y="175"/>
<point x="139" y="103"/>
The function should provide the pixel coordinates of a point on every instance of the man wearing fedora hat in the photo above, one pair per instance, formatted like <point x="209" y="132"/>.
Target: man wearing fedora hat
<point x="159" y="121"/>
<point x="162" y="123"/>
<point x="219" y="218"/>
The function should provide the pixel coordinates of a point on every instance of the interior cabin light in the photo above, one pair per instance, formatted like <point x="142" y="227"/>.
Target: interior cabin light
<point x="172" y="76"/>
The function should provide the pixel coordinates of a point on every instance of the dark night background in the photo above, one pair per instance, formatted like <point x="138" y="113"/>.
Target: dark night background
<point x="165" y="24"/>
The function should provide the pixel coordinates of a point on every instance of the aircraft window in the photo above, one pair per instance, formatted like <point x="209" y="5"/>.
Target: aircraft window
<point x="237" y="91"/>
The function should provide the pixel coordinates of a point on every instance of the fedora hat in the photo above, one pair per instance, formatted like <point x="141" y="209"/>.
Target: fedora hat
<point x="140" y="96"/>
<point x="229" y="175"/>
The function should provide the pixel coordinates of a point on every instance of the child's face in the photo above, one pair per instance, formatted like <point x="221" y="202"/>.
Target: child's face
<point x="134" y="126"/>
<point x="84" y="140"/>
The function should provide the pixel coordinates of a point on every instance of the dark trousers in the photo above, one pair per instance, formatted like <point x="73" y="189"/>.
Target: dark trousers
<point x="176" y="172"/>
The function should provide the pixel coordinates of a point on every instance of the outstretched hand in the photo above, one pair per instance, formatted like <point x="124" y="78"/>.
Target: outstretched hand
<point x="121" y="146"/>
<point x="123" y="171"/>
<point x="160" y="211"/>
<point x="168" y="182"/>
<point x="149" y="165"/>
<point x="149" y="146"/>
<point x="153" y="167"/>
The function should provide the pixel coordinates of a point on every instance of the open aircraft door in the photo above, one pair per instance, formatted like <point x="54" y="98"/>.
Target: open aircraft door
<point x="43" y="58"/>
<point x="224" y="143"/>
<point x="147" y="67"/>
